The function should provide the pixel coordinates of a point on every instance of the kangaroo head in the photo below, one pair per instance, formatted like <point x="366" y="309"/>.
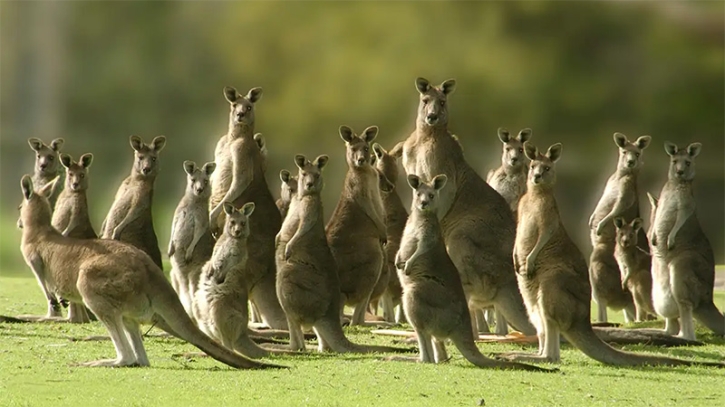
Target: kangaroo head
<point x="542" y="170"/>
<point x="627" y="232"/>
<point x="309" y="180"/>
<point x="35" y="208"/>
<point x="433" y="106"/>
<point x="236" y="224"/>
<point x="46" y="156"/>
<point x="75" y="172"/>
<point x="289" y="185"/>
<point x="630" y="153"/>
<point x="513" y="147"/>
<point x="197" y="179"/>
<point x="426" y="193"/>
<point x="146" y="155"/>
<point x="242" y="106"/>
<point x="385" y="163"/>
<point x="682" y="162"/>
<point x="358" y="147"/>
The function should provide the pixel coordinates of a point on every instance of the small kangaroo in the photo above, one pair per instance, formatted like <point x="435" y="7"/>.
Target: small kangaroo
<point x="190" y="241"/>
<point x="130" y="219"/>
<point x="70" y="216"/>
<point x="308" y="285"/>
<point x="118" y="282"/>
<point x="635" y="265"/>
<point x="620" y="199"/>
<point x="357" y="226"/>
<point x="678" y="240"/>
<point x="46" y="165"/>
<point x="509" y="179"/>
<point x="553" y="278"/>
<point x="288" y="190"/>
<point x="466" y="207"/>
<point x="433" y="296"/>
<point x="239" y="178"/>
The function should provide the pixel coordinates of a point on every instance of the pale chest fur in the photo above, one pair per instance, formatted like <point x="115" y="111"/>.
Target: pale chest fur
<point x="673" y="199"/>
<point x="510" y="186"/>
<point x="536" y="214"/>
<point x="428" y="157"/>
<point x="228" y="254"/>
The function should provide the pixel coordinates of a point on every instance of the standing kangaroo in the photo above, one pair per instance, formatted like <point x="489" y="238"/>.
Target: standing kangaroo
<point x="553" y="278"/>
<point x="190" y="241"/>
<point x="433" y="296"/>
<point x="308" y="285"/>
<point x="357" y="226"/>
<point x="118" y="282"/>
<point x="635" y="265"/>
<point x="130" y="218"/>
<point x="70" y="216"/>
<point x="288" y="190"/>
<point x="467" y="207"/>
<point x="679" y="243"/>
<point x="620" y="199"/>
<point x="46" y="165"/>
<point x="239" y="178"/>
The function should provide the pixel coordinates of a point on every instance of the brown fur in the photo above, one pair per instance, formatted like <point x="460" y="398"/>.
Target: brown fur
<point x="130" y="218"/>
<point x="635" y="265"/>
<point x="509" y="179"/>
<point x="47" y="165"/>
<point x="288" y="190"/>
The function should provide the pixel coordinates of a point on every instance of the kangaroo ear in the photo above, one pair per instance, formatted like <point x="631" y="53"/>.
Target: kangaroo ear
<point x="554" y="152"/>
<point x="619" y="222"/>
<point x="259" y="139"/>
<point x="209" y="168"/>
<point x="48" y="188"/>
<point x="228" y="208"/>
<point x="189" y="167"/>
<point x="346" y="133"/>
<point x="284" y="176"/>
<point x="26" y="184"/>
<point x="620" y="140"/>
<point x="448" y="86"/>
<point x="86" y="160"/>
<point x="254" y="94"/>
<point x="504" y="135"/>
<point x="300" y="160"/>
<point x="652" y="200"/>
<point x="57" y="144"/>
<point x="379" y="151"/>
<point x="693" y="150"/>
<point x="397" y="150"/>
<point x="524" y="135"/>
<point x="136" y="142"/>
<point x="158" y="143"/>
<point x="35" y="143"/>
<point x="65" y="160"/>
<point x="321" y="161"/>
<point x="642" y="142"/>
<point x="671" y="148"/>
<point x="530" y="151"/>
<point x="636" y="224"/>
<point x="422" y="85"/>
<point x="413" y="181"/>
<point x="230" y="94"/>
<point x="439" y="181"/>
<point x="248" y="208"/>
<point x="370" y="133"/>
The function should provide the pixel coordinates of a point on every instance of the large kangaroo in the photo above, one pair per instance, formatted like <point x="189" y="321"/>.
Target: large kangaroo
<point x="478" y="226"/>
<point x="239" y="178"/>
<point x="118" y="282"/>
<point x="677" y="240"/>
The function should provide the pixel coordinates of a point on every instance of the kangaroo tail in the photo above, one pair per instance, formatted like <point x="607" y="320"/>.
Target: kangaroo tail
<point x="584" y="338"/>
<point x="166" y="304"/>
<point x="709" y="316"/>
<point x="469" y="350"/>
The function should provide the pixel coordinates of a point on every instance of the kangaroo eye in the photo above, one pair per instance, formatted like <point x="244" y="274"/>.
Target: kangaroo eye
<point x="430" y="196"/>
<point x="443" y="102"/>
<point x="234" y="105"/>
<point x="51" y="158"/>
<point x="206" y="182"/>
<point x="426" y="101"/>
<point x="37" y="156"/>
<point x="521" y="150"/>
<point x="687" y="163"/>
<point x="153" y="159"/>
<point x="547" y="168"/>
<point x="82" y="175"/>
<point x="249" y="107"/>
<point x="366" y="149"/>
<point x="636" y="155"/>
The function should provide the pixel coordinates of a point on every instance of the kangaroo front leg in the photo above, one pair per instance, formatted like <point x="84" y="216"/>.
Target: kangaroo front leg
<point x="199" y="230"/>
<point x="540" y="243"/>
<point x="38" y="267"/>
<point x="682" y="215"/>
<point x="133" y="214"/>
<point x="624" y="200"/>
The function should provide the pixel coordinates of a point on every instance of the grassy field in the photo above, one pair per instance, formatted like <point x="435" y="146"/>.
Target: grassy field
<point x="36" y="370"/>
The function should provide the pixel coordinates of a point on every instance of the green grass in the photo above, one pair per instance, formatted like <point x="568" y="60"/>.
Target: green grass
<point x="36" y="370"/>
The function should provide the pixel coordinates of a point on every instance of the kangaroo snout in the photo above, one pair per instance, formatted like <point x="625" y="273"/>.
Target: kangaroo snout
<point x="146" y="170"/>
<point x="240" y="117"/>
<point x="75" y="185"/>
<point x="431" y="118"/>
<point x="630" y="163"/>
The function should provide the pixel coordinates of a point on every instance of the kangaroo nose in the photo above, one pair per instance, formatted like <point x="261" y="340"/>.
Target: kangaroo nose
<point x="431" y="118"/>
<point x="630" y="163"/>
<point x="146" y="170"/>
<point x="309" y="185"/>
<point x="43" y="166"/>
<point x="240" y="116"/>
<point x="199" y="190"/>
<point x="680" y="172"/>
<point x="75" y="185"/>
<point x="360" y="161"/>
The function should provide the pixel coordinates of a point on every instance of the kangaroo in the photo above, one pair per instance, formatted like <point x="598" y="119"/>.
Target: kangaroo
<point x="190" y="241"/>
<point x="468" y="206"/>
<point x="70" y="216"/>
<point x="308" y="285"/>
<point x="239" y="178"/>
<point x="130" y="219"/>
<point x="357" y="226"/>
<point x="118" y="282"/>
<point x="509" y="179"/>
<point x="262" y="144"/>
<point x="553" y="277"/>
<point x="678" y="240"/>
<point x="635" y="265"/>
<point x="46" y="165"/>
<point x="287" y="192"/>
<point x="620" y="198"/>
<point x="433" y="296"/>
<point x="379" y="290"/>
